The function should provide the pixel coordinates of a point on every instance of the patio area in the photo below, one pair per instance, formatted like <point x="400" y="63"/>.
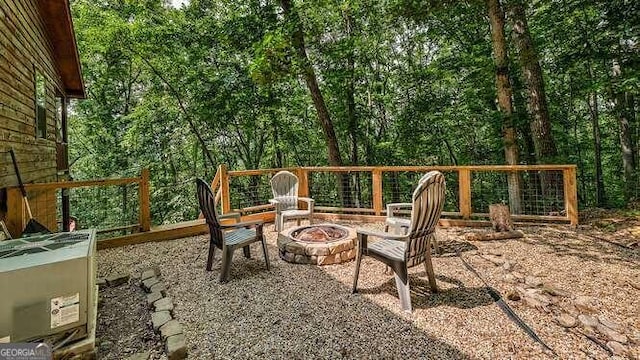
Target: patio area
<point x="308" y="311"/>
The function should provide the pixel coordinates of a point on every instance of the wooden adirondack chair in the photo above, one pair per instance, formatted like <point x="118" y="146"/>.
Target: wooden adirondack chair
<point x="402" y="251"/>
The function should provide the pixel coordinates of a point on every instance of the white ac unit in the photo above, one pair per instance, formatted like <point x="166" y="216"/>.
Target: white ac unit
<point x="47" y="287"/>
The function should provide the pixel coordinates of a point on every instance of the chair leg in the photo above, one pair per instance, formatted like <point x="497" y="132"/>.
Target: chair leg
<point x="266" y="253"/>
<point x="298" y="221"/>
<point x="359" y="252"/>
<point x="212" y="252"/>
<point x="310" y="219"/>
<point x="227" y="256"/>
<point x="428" y="267"/>
<point x="247" y="252"/>
<point x="403" y="290"/>
<point x="436" y="247"/>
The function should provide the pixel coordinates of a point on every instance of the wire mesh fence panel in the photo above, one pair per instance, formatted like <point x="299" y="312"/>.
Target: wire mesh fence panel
<point x="488" y="188"/>
<point x="347" y="192"/>
<point x="541" y="192"/>
<point x="111" y="210"/>
<point x="249" y="190"/>
<point x="174" y="201"/>
<point x="398" y="187"/>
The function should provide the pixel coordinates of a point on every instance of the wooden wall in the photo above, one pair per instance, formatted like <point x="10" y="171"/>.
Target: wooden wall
<point x="23" y="44"/>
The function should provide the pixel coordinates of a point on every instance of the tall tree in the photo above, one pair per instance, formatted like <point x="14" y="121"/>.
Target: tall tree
<point x="540" y="123"/>
<point x="503" y="86"/>
<point x="309" y="74"/>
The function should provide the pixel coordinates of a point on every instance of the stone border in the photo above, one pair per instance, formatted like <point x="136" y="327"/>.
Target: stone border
<point x="334" y="252"/>
<point x="162" y="317"/>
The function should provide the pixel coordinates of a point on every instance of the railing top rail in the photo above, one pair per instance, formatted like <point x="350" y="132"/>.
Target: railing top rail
<point x="407" y="168"/>
<point x="81" y="183"/>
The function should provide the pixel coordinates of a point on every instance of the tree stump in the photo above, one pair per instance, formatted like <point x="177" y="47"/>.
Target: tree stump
<point x="500" y="217"/>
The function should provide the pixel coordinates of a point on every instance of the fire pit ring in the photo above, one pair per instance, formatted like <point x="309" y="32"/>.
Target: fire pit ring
<point x="319" y="244"/>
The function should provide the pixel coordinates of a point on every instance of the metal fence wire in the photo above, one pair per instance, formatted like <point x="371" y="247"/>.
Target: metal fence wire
<point x="541" y="192"/>
<point x="341" y="191"/>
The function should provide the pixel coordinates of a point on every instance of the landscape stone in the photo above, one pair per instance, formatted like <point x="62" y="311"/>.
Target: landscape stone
<point x="554" y="292"/>
<point x="610" y="324"/>
<point x="101" y="282"/>
<point x="164" y="304"/>
<point x="567" y="320"/>
<point x="510" y="278"/>
<point x="289" y="257"/>
<point x="338" y="247"/>
<point x="612" y="334"/>
<point x="117" y="279"/>
<point x="317" y="250"/>
<point x="513" y="296"/>
<point x="159" y="287"/>
<point x="617" y="348"/>
<point x="176" y="347"/>
<point x="153" y="297"/>
<point x="518" y="276"/>
<point x="149" y="273"/>
<point x="584" y="304"/>
<point x="532" y="281"/>
<point x="301" y="259"/>
<point x="171" y="328"/>
<point x="295" y="248"/>
<point x="588" y="321"/>
<point x="139" y="356"/>
<point x="160" y="318"/>
<point x="148" y="283"/>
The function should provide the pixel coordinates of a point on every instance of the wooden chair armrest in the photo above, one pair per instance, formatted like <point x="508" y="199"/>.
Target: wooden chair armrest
<point x="231" y="215"/>
<point x="392" y="207"/>
<point x="381" y="234"/>
<point x="306" y="199"/>
<point x="244" y="224"/>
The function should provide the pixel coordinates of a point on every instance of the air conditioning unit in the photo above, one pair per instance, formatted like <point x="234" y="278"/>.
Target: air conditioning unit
<point x="47" y="287"/>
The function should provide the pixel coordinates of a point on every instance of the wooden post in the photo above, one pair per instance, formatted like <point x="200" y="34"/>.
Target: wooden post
<point x="303" y="182"/>
<point x="15" y="219"/>
<point x="145" y="201"/>
<point x="376" y="176"/>
<point x="571" y="194"/>
<point x="224" y="187"/>
<point x="464" y="192"/>
<point x="303" y="186"/>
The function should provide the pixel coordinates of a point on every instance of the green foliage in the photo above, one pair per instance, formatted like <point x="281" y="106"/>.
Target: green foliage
<point x="170" y="89"/>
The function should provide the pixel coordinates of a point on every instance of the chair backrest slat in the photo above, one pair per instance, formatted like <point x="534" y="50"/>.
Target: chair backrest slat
<point x="427" y="201"/>
<point x="207" y="202"/>
<point x="284" y="186"/>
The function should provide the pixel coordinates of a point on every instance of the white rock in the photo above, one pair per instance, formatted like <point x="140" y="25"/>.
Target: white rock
<point x="567" y="320"/>
<point x="617" y="348"/>
<point x="588" y="321"/>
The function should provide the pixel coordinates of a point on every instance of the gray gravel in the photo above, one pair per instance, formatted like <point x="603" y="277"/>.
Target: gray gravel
<point x="306" y="311"/>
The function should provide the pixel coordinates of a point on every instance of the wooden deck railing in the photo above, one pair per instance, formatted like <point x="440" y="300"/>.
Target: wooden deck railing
<point x="548" y="193"/>
<point x="45" y="198"/>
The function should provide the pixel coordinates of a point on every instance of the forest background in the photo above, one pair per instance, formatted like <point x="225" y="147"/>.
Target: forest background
<point x="269" y="84"/>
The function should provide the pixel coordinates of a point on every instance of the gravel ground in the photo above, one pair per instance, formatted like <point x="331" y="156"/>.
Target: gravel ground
<point x="305" y="311"/>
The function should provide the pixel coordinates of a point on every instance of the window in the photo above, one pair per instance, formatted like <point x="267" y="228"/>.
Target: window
<point x="40" y="102"/>
<point x="59" y="118"/>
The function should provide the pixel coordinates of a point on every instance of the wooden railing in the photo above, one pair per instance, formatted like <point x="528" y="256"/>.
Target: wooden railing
<point x="44" y="199"/>
<point x="548" y="192"/>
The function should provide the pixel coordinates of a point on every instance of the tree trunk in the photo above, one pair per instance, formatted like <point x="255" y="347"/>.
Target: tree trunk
<point x="595" y="122"/>
<point x="503" y="87"/>
<point x="351" y="106"/>
<point x="297" y="38"/>
<point x="622" y="114"/>
<point x="545" y="147"/>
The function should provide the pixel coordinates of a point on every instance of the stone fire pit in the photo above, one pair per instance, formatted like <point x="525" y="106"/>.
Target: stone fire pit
<point x="320" y="244"/>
